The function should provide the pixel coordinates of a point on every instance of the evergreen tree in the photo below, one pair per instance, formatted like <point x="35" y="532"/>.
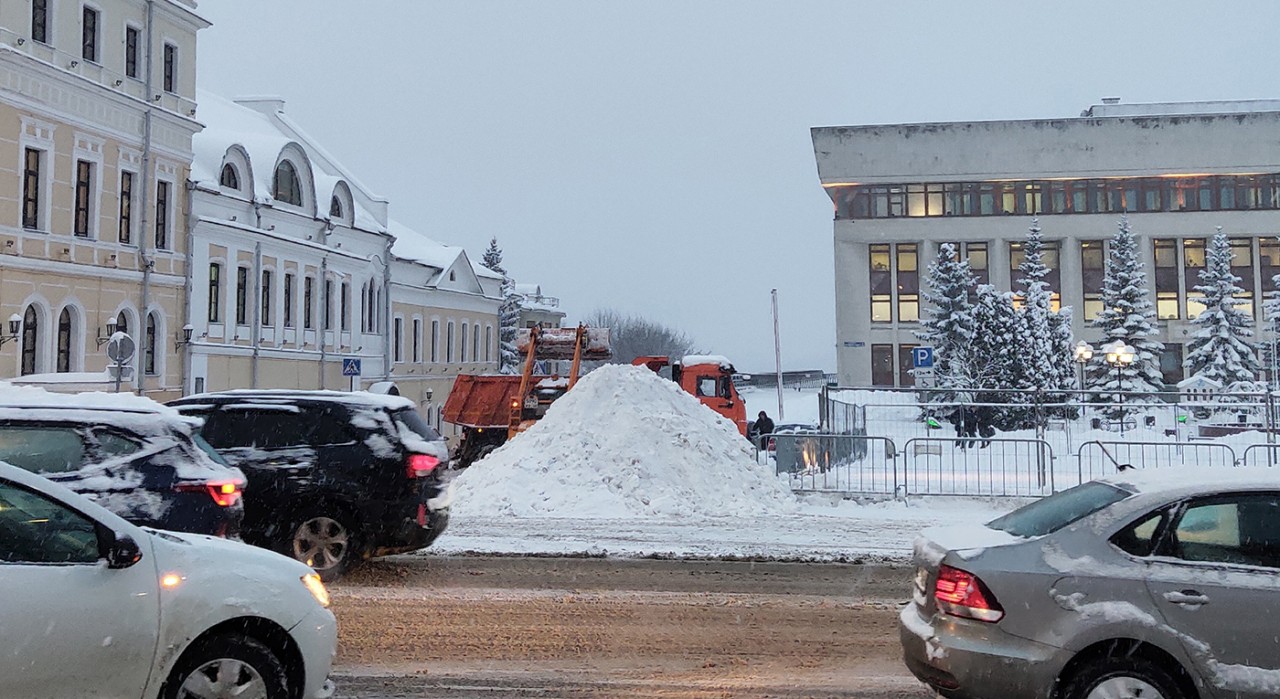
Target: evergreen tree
<point x="1271" y="311"/>
<point x="1038" y="352"/>
<point x="1127" y="315"/>
<point x="509" y="358"/>
<point x="1063" y="360"/>
<point x="493" y="257"/>
<point x="1221" y="349"/>
<point x="996" y="364"/>
<point x="948" y="322"/>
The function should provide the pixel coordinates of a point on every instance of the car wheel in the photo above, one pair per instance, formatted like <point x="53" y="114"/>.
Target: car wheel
<point x="325" y="542"/>
<point x="227" y="666"/>
<point x="1123" y="678"/>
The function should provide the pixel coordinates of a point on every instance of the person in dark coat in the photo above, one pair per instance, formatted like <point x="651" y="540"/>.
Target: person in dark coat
<point x="763" y="426"/>
<point x="965" y="420"/>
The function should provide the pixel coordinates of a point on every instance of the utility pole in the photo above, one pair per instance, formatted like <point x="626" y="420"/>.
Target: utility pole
<point x="777" y="351"/>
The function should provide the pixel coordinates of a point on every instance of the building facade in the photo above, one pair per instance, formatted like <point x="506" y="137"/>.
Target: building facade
<point x="97" y="105"/>
<point x="537" y="309"/>
<point x="1178" y="171"/>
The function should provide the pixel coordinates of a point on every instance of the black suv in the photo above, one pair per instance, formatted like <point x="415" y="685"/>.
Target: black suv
<point x="333" y="477"/>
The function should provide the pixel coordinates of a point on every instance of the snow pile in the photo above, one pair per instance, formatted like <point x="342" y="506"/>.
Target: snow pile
<point x="623" y="443"/>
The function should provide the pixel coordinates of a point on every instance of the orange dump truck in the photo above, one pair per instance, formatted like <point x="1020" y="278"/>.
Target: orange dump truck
<point x="710" y="379"/>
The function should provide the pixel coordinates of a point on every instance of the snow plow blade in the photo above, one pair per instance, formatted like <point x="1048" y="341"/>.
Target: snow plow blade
<point x="559" y="343"/>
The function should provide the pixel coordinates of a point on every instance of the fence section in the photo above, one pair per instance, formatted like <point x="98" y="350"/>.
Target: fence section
<point x="992" y="467"/>
<point x="838" y="463"/>
<point x="1097" y="459"/>
<point x="1260" y="455"/>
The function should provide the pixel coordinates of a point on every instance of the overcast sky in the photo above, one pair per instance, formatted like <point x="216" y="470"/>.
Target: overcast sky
<point x="655" y="157"/>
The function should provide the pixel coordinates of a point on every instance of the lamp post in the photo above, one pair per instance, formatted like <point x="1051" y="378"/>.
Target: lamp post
<point x="1082" y="353"/>
<point x="1119" y="355"/>
<point x="15" y="325"/>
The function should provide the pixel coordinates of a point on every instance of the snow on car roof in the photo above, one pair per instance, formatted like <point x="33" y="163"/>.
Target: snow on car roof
<point x="381" y="400"/>
<point x="1193" y="479"/>
<point x="121" y="409"/>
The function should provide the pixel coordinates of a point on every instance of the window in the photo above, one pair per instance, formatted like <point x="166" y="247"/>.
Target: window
<point x="215" y="292"/>
<point x="266" y="292"/>
<point x="417" y="340"/>
<point x="242" y="295"/>
<point x="1171" y="363"/>
<point x="908" y="277"/>
<point x="40" y="21"/>
<point x="976" y="253"/>
<point x="308" y="293"/>
<point x="1093" y="267"/>
<point x="435" y="341"/>
<point x="881" y="365"/>
<point x="335" y="207"/>
<point x="488" y="343"/>
<point x="1139" y="538"/>
<point x="262" y="427"/>
<point x="170" y="67"/>
<point x="344" y="310"/>
<point x="1234" y="529"/>
<point x="89" y="35"/>
<point x="122" y="323"/>
<point x="84" y="192"/>
<point x="39" y="530"/>
<point x="42" y="448"/>
<point x="288" y="188"/>
<point x="162" y="215"/>
<point x="1192" y="262"/>
<point x="448" y="343"/>
<point x="126" y="207"/>
<point x="905" y="364"/>
<point x="397" y="339"/>
<point x="31" y="189"/>
<point x="63" y="364"/>
<point x="149" y="346"/>
<point x="229" y="178"/>
<point x="327" y="300"/>
<point x="30" y="334"/>
<point x="462" y="353"/>
<point x="1242" y="266"/>
<point x="1058" y="510"/>
<point x="131" y="36"/>
<point x="881" y="284"/>
<point x="288" y="301"/>
<point x="1269" y="262"/>
<point x="475" y="342"/>
<point x="1167" y="272"/>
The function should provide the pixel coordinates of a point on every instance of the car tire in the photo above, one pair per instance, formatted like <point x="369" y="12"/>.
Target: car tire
<point x="227" y="665"/>
<point x="324" y="540"/>
<point x="1123" y="677"/>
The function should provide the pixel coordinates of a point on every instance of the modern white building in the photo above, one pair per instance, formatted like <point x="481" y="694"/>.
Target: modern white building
<point x="1178" y="171"/>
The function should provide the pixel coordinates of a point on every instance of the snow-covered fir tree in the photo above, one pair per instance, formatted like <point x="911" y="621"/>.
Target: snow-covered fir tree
<point x="1270" y="348"/>
<point x="1220" y="349"/>
<point x="996" y="364"/>
<point x="1041" y="371"/>
<point x="1127" y="315"/>
<point x="1062" y="345"/>
<point x="509" y="358"/>
<point x="947" y="325"/>
<point x="493" y="257"/>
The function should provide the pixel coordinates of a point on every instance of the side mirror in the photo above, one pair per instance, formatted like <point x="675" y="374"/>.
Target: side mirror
<point x="121" y="551"/>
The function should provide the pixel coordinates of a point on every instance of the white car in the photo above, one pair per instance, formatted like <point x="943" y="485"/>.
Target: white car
<point x="96" y="607"/>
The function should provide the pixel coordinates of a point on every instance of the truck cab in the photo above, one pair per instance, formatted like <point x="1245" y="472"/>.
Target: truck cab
<point x="709" y="378"/>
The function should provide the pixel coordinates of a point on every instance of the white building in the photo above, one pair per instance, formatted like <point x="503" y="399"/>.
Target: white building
<point x="537" y="308"/>
<point x="1177" y="170"/>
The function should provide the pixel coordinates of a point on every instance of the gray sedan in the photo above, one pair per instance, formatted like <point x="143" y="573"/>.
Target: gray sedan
<point x="1159" y="584"/>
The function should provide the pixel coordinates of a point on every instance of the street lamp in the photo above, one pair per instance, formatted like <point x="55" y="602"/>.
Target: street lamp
<point x="1082" y="353"/>
<point x="1118" y="355"/>
<point x="15" y="324"/>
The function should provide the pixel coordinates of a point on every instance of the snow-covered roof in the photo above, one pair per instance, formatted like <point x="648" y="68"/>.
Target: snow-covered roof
<point x="263" y="139"/>
<point x="698" y="359"/>
<point x="1199" y="382"/>
<point x="416" y="247"/>
<point x="482" y="271"/>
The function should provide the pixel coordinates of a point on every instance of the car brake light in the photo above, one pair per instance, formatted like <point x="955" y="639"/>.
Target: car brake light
<point x="224" y="493"/>
<point x="961" y="593"/>
<point x="420" y="465"/>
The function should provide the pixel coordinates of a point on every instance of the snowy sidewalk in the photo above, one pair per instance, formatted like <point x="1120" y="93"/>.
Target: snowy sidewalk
<point x="818" y="532"/>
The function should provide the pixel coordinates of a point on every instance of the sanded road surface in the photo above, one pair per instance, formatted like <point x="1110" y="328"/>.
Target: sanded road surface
<point x="583" y="627"/>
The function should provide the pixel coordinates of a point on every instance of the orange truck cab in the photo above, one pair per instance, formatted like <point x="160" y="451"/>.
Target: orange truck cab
<point x="709" y="378"/>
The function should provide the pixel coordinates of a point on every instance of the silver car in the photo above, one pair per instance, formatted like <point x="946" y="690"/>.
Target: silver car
<point x="1147" y="585"/>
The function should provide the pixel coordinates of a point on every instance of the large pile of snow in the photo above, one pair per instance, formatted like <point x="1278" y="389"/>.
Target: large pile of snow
<point x="623" y="443"/>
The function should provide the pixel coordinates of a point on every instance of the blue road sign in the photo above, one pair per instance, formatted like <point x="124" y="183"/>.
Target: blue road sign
<point x="351" y="366"/>
<point x="922" y="358"/>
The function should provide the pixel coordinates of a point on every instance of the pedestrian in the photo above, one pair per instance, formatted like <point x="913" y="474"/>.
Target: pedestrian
<point x="762" y="428"/>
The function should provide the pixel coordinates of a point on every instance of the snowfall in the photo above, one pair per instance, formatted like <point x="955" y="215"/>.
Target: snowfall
<point x="626" y="464"/>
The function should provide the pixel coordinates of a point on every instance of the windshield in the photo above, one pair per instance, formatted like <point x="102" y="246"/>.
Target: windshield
<point x="1058" y="510"/>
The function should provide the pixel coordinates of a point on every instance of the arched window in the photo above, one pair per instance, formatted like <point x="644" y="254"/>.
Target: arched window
<point x="64" y="342"/>
<point x="288" y="188"/>
<point x="30" y="334"/>
<point x="335" y="207"/>
<point x="149" y="348"/>
<point x="122" y="323"/>
<point x="229" y="178"/>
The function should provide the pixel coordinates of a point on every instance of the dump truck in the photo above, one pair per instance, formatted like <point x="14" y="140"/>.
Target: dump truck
<point x="492" y="408"/>
<point x="709" y="378"/>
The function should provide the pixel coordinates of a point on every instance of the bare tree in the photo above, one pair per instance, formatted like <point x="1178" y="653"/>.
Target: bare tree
<point x="633" y="336"/>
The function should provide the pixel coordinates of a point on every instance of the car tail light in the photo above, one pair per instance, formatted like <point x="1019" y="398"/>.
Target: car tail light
<point x="420" y="465"/>
<point x="225" y="493"/>
<point x="961" y="593"/>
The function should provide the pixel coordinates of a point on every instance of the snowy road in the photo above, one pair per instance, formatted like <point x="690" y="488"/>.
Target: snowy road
<point x="583" y="627"/>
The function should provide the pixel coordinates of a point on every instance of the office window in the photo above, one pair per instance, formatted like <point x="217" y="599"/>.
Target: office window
<point x="89" y="35"/>
<point x="881" y="365"/>
<point x="84" y="197"/>
<point x="417" y="340"/>
<point x="162" y="215"/>
<point x="63" y="364"/>
<point x="435" y="341"/>
<point x="908" y="277"/>
<point x="126" y="207"/>
<point x="1093" y="270"/>
<point x="397" y="340"/>
<point x="1192" y="262"/>
<point x="905" y="364"/>
<point x="31" y="188"/>
<point x="1167" y="272"/>
<point x="215" y="292"/>
<point x="976" y="254"/>
<point x="288" y="301"/>
<point x="131" y="37"/>
<point x="242" y="295"/>
<point x="170" y="67"/>
<point x="266" y="293"/>
<point x="881" y="284"/>
<point x="308" y="302"/>
<point x="1242" y="266"/>
<point x="40" y="21"/>
<point x="344" y="310"/>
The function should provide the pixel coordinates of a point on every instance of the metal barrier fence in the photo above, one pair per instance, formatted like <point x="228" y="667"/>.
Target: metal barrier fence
<point x="1260" y="455"/>
<point x="836" y="463"/>
<point x="1098" y="458"/>
<point x="964" y="466"/>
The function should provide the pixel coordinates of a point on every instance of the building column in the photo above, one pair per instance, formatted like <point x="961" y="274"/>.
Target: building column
<point x="1070" y="273"/>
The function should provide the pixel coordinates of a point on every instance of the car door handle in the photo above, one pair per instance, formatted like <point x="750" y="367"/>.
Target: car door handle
<point x="1187" y="598"/>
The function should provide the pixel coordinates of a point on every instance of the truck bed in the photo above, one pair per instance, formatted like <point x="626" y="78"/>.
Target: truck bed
<point x="483" y="400"/>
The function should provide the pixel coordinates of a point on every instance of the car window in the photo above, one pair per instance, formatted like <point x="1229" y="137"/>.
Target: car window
<point x="114" y="444"/>
<point x="1050" y="514"/>
<point x="332" y="426"/>
<point x="1139" y="538"/>
<point x="262" y="427"/>
<point x="35" y="529"/>
<point x="707" y="386"/>
<point x="42" y="448"/>
<point x="411" y="419"/>
<point x="1240" y="529"/>
<point x="208" y="449"/>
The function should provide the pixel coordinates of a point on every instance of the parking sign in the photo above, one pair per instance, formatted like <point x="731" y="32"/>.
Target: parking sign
<point x="922" y="358"/>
